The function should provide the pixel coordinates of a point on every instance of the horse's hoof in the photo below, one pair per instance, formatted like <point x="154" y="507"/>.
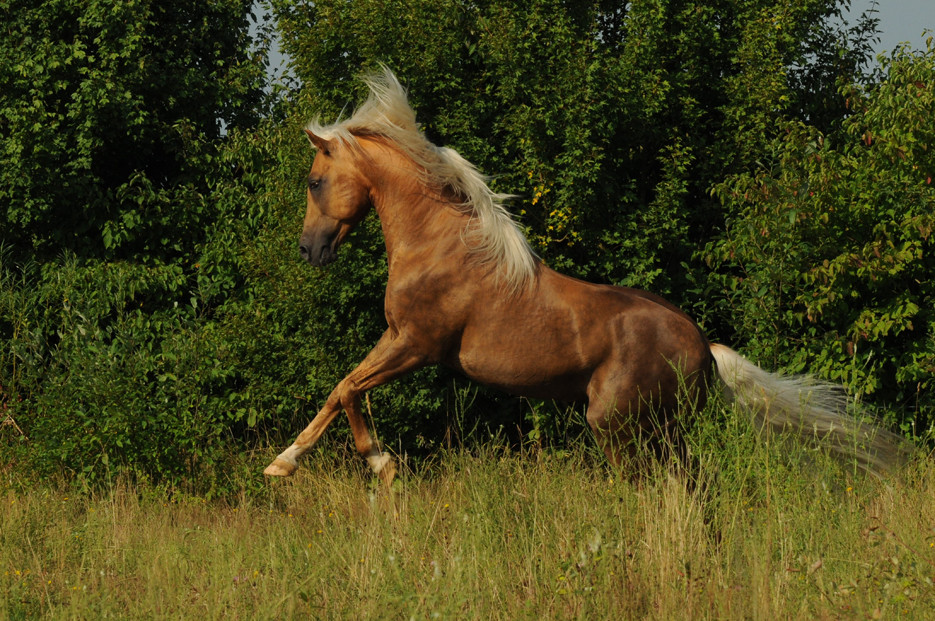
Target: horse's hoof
<point x="279" y="468"/>
<point x="388" y="473"/>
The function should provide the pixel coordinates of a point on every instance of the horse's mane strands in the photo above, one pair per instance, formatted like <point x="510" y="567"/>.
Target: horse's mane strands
<point x="492" y="234"/>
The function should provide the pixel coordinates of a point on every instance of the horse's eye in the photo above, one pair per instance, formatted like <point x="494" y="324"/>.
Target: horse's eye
<point x="313" y="183"/>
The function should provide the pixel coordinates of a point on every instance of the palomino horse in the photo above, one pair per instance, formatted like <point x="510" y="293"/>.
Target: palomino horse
<point x="465" y="290"/>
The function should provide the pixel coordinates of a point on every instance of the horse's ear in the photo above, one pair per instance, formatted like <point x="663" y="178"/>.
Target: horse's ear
<point x="319" y="143"/>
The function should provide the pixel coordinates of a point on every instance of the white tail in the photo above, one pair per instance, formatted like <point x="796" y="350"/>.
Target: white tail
<point x="808" y="408"/>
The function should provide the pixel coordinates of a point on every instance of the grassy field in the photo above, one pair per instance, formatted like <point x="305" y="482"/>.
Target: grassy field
<point x="763" y="531"/>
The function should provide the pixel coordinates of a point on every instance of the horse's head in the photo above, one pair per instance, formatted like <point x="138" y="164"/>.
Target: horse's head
<point x="338" y="197"/>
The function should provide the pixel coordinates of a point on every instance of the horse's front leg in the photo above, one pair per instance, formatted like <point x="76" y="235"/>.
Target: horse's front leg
<point x="391" y="358"/>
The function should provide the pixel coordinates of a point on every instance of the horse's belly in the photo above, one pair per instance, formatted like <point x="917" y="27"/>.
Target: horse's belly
<point x="539" y="367"/>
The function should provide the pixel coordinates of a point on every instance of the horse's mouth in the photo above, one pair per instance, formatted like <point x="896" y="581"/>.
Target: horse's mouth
<point x="327" y="256"/>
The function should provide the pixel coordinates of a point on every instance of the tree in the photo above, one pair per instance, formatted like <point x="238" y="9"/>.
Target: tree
<point x="109" y="113"/>
<point x="180" y="325"/>
<point x="116" y="183"/>
<point x="829" y="257"/>
<point x="610" y="120"/>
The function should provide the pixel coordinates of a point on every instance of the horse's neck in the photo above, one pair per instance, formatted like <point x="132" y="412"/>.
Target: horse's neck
<point x="415" y="219"/>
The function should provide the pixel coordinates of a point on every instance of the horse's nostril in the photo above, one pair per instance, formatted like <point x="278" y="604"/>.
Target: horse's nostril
<point x="304" y="252"/>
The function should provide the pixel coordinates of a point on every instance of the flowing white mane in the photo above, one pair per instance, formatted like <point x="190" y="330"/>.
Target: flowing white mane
<point x="492" y="234"/>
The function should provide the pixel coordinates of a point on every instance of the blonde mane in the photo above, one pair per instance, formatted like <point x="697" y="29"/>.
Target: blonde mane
<point x="492" y="234"/>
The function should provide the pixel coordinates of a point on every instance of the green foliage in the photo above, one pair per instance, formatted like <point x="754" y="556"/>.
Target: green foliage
<point x="156" y="317"/>
<point x="111" y="186"/>
<point x="609" y="121"/>
<point x="106" y="377"/>
<point x="109" y="113"/>
<point x="828" y="261"/>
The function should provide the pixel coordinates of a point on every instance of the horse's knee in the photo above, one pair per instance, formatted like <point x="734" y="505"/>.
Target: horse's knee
<point x="344" y="394"/>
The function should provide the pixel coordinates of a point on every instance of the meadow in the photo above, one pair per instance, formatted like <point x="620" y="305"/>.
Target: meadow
<point x="754" y="528"/>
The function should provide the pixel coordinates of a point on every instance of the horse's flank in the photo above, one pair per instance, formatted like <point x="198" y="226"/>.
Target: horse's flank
<point x="492" y="234"/>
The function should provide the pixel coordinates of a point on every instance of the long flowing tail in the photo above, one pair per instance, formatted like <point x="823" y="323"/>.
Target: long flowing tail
<point x="808" y="408"/>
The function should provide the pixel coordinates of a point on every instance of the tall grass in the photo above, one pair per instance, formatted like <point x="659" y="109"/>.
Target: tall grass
<point x="751" y="529"/>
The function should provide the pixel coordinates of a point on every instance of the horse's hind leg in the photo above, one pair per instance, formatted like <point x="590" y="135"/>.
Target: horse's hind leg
<point x="631" y="422"/>
<point x="616" y="428"/>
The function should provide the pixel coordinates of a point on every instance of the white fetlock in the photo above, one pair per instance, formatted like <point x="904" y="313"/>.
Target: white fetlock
<point x="289" y="459"/>
<point x="291" y="455"/>
<point x="379" y="461"/>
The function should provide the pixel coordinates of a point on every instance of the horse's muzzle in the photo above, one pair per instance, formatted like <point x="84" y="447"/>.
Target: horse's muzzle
<point x="318" y="256"/>
<point x="319" y="247"/>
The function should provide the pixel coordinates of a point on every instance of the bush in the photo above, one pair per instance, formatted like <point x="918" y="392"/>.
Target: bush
<point x="828" y="258"/>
